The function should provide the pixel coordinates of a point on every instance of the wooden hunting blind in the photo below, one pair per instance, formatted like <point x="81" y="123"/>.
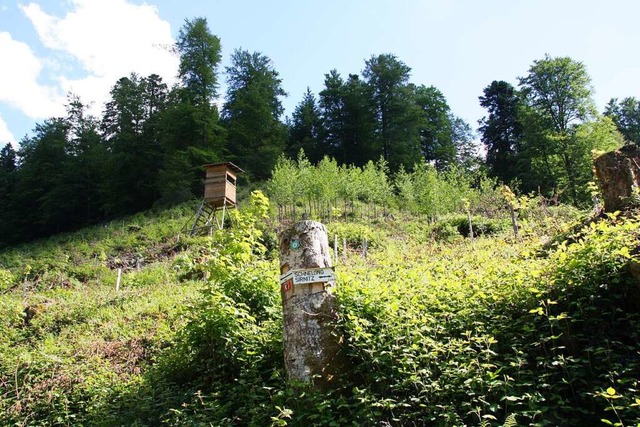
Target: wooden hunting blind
<point x="219" y="194"/>
<point x="220" y="184"/>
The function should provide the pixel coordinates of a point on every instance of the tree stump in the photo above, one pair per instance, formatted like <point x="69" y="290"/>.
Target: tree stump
<point x="618" y="174"/>
<point x="311" y="342"/>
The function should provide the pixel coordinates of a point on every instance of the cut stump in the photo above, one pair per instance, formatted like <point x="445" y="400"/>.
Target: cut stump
<point x="618" y="174"/>
<point x="311" y="341"/>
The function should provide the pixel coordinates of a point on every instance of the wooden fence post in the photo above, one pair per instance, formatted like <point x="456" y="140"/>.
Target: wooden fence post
<point x="514" y="221"/>
<point x="118" y="279"/>
<point x="364" y="248"/>
<point x="311" y="342"/>
<point x="344" y="248"/>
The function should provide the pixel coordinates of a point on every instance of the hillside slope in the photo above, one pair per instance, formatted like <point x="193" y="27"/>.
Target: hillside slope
<point x="438" y="329"/>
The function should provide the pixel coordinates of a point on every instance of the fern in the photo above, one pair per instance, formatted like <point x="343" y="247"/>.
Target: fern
<point x="510" y="421"/>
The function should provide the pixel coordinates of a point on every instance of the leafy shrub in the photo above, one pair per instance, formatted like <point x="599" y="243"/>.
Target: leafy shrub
<point x="6" y="279"/>
<point x="449" y="228"/>
<point x="355" y="233"/>
<point x="445" y="231"/>
<point x="463" y="337"/>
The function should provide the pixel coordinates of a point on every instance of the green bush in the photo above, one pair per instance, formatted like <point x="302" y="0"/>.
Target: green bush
<point x="462" y="336"/>
<point x="7" y="280"/>
<point x="449" y="228"/>
<point x="355" y="233"/>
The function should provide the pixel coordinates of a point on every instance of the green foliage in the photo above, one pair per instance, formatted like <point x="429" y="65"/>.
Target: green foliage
<point x="458" y="225"/>
<point x="7" y="279"/>
<point x="326" y="190"/>
<point x="436" y="144"/>
<point x="521" y="337"/>
<point x="626" y="115"/>
<point x="559" y="107"/>
<point x="383" y="115"/>
<point x="356" y="234"/>
<point x="397" y="115"/>
<point x="431" y="193"/>
<point x="199" y="58"/>
<point x="502" y="129"/>
<point x="451" y="331"/>
<point x="306" y="129"/>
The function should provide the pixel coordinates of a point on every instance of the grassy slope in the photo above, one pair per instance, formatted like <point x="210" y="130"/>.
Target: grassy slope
<point x="67" y="337"/>
<point x="452" y="332"/>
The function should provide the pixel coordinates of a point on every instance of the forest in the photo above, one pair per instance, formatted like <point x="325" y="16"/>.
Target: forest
<point x="478" y="281"/>
<point x="148" y="147"/>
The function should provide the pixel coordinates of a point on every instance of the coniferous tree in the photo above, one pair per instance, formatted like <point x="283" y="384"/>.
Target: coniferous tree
<point x="349" y="120"/>
<point x="359" y="144"/>
<point x="626" y="115"/>
<point x="86" y="159"/>
<point x="8" y="215"/>
<point x="132" y="130"/>
<point x="306" y="129"/>
<point x="251" y="113"/>
<point x="397" y="116"/>
<point x="41" y="192"/>
<point x="502" y="130"/>
<point x="199" y="58"/>
<point x="191" y="128"/>
<point x="333" y="116"/>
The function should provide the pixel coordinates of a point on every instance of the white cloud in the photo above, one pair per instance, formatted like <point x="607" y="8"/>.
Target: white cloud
<point x="5" y="134"/>
<point x="109" y="40"/>
<point x="19" y="77"/>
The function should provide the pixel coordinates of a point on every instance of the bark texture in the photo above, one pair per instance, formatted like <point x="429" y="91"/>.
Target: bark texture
<point x="618" y="174"/>
<point x="311" y="343"/>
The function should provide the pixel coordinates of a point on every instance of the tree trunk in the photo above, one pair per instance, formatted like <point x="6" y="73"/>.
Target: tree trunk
<point x="311" y="342"/>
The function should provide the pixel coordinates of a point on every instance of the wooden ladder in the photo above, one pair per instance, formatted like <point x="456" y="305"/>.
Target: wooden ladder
<point x="206" y="217"/>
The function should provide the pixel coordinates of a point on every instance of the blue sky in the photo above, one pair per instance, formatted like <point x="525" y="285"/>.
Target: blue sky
<point x="51" y="47"/>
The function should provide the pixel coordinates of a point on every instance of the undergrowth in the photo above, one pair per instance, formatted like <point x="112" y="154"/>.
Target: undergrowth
<point x="438" y="329"/>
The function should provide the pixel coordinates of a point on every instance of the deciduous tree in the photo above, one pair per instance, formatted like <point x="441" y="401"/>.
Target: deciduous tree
<point x="435" y="127"/>
<point x="558" y="90"/>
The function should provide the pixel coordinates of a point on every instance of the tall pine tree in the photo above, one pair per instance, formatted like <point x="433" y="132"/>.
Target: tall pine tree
<point x="251" y="113"/>
<point x="192" y="134"/>
<point x="397" y="115"/>
<point x="502" y="131"/>
<point x="305" y="130"/>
